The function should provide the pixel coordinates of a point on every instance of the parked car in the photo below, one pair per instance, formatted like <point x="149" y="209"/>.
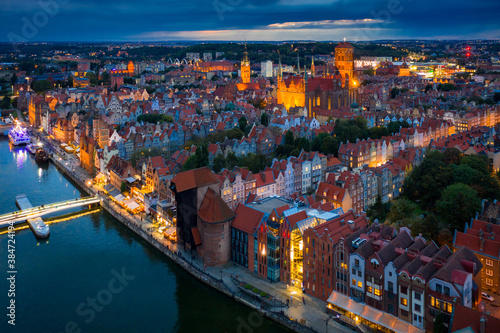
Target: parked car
<point x="487" y="297"/>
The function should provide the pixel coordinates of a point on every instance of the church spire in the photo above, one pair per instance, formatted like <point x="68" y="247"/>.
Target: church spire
<point x="245" y="54"/>
<point x="280" y="69"/>
<point x="313" y="68"/>
<point x="298" y="63"/>
<point x="305" y="72"/>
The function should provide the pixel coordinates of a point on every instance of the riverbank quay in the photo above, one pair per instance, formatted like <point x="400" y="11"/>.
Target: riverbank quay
<point x="299" y="316"/>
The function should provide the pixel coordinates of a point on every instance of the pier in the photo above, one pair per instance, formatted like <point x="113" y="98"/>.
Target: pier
<point x="39" y="228"/>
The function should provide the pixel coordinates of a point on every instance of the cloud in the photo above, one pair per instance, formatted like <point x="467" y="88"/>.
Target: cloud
<point x="323" y="24"/>
<point x="265" y="35"/>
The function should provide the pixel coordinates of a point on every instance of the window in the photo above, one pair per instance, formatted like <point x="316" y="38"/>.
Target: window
<point x="418" y="296"/>
<point x="489" y="282"/>
<point x="353" y="282"/>
<point x="369" y="289"/>
<point x="417" y="307"/>
<point x="378" y="292"/>
<point x="439" y="288"/>
<point x="489" y="272"/>
<point x="489" y="262"/>
<point x="446" y="291"/>
<point x="433" y="301"/>
<point x="404" y="290"/>
<point x="404" y="301"/>
<point x="353" y="271"/>
<point x="360" y="284"/>
<point x="390" y="286"/>
<point x="448" y="308"/>
<point x="390" y="308"/>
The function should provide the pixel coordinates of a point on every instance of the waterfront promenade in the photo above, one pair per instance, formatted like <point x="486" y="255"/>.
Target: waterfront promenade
<point x="300" y="317"/>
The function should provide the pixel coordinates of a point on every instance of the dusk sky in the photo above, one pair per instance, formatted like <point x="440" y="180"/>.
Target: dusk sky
<point x="163" y="20"/>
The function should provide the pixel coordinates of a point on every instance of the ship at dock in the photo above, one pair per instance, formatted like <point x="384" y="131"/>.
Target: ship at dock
<point x="18" y="135"/>
<point x="41" y="155"/>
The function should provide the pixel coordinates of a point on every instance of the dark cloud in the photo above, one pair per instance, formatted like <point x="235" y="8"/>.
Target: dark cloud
<point x="98" y="20"/>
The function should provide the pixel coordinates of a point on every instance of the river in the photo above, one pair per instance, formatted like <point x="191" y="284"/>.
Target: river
<point x="95" y="275"/>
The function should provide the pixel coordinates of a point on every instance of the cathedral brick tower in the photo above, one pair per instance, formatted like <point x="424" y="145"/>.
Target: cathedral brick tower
<point x="131" y="68"/>
<point x="344" y="60"/>
<point x="245" y="67"/>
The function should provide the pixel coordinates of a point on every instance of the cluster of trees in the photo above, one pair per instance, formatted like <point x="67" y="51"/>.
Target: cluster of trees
<point x="198" y="160"/>
<point x="234" y="133"/>
<point x="345" y="129"/>
<point x="441" y="195"/>
<point x="395" y="92"/>
<point x="155" y="118"/>
<point x="41" y="86"/>
<point x="254" y="162"/>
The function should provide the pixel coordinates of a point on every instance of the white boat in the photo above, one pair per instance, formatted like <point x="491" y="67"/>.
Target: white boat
<point x="31" y="148"/>
<point x="18" y="135"/>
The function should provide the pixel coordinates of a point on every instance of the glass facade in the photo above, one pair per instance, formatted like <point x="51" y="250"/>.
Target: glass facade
<point x="239" y="247"/>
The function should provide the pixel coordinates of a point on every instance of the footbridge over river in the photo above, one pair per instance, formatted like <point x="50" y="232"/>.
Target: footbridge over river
<point x="33" y="212"/>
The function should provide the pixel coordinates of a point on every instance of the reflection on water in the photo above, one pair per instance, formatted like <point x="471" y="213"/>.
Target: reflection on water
<point x="21" y="156"/>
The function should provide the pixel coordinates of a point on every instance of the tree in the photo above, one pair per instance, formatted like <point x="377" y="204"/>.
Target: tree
<point x="264" y="119"/>
<point x="191" y="163"/>
<point x="41" y="86"/>
<point x="5" y="104"/>
<point x="403" y="213"/>
<point x="219" y="163"/>
<point x="232" y="160"/>
<point x="123" y="187"/>
<point x="283" y="151"/>
<point x="289" y="139"/>
<point x="427" y="181"/>
<point x="13" y="79"/>
<point x="496" y="97"/>
<point x="378" y="210"/>
<point x="452" y="156"/>
<point x="150" y="90"/>
<point x="458" y="204"/>
<point x="70" y="82"/>
<point x="447" y="87"/>
<point x="242" y="122"/>
<point x="369" y="72"/>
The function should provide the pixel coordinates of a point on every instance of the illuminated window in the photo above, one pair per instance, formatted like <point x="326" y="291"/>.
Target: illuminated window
<point x="489" y="262"/>
<point x="489" y="272"/>
<point x="353" y="282"/>
<point x="369" y="289"/>
<point x="489" y="282"/>
<point x="378" y="292"/>
<point x="448" y="307"/>
<point x="360" y="284"/>
<point x="404" y="301"/>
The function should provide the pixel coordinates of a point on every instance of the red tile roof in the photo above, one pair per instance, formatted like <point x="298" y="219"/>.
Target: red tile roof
<point x="464" y="317"/>
<point x="194" y="178"/>
<point x="213" y="209"/>
<point x="247" y="219"/>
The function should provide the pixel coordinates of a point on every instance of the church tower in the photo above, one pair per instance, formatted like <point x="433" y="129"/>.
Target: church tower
<point x="344" y="59"/>
<point x="245" y="67"/>
<point x="313" y="68"/>
<point x="131" y="68"/>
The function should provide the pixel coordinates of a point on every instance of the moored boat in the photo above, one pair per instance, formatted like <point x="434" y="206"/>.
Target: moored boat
<point x="41" y="155"/>
<point x="18" y="135"/>
<point x="31" y="148"/>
